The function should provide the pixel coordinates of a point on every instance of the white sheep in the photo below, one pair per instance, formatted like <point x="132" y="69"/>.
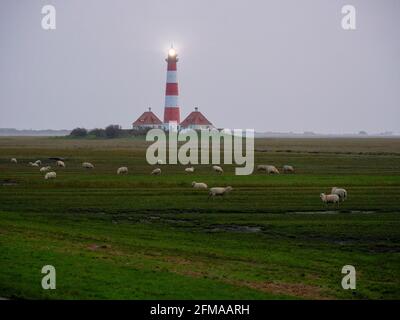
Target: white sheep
<point x="262" y="167"/>
<point x="342" y="193"/>
<point x="14" y="160"/>
<point x="219" y="191"/>
<point x="156" y="171"/>
<point x="87" y="165"/>
<point x="199" y="185"/>
<point x="44" y="169"/>
<point x="218" y="169"/>
<point x="122" y="170"/>
<point x="38" y="162"/>
<point x="330" y="198"/>
<point x="33" y="164"/>
<point x="272" y="170"/>
<point x="50" y="175"/>
<point x="60" y="163"/>
<point x="288" y="169"/>
<point x="189" y="170"/>
<point x="269" y="169"/>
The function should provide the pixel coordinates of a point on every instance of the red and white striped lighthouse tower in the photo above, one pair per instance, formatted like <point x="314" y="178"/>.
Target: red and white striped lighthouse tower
<point x="171" y="110"/>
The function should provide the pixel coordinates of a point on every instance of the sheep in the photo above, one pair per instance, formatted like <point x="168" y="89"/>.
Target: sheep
<point x="342" y="193"/>
<point x="87" y="165"/>
<point x="39" y="162"/>
<point x="13" y="160"/>
<point x="262" y="167"/>
<point x="50" y="175"/>
<point x="199" y="185"/>
<point x="268" y="169"/>
<point x="45" y="169"/>
<point x="33" y="164"/>
<point x="330" y="198"/>
<point x="159" y="161"/>
<point x="218" y="169"/>
<point x="60" y="163"/>
<point x="219" y="191"/>
<point x="189" y="170"/>
<point x="288" y="169"/>
<point x="156" y="171"/>
<point x="272" y="170"/>
<point x="122" y="170"/>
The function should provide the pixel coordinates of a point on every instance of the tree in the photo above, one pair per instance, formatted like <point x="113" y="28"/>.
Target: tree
<point x="113" y="131"/>
<point x="98" y="133"/>
<point x="78" y="132"/>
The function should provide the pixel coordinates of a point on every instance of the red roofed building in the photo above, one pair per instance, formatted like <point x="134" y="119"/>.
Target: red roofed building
<point x="147" y="120"/>
<point x="196" y="121"/>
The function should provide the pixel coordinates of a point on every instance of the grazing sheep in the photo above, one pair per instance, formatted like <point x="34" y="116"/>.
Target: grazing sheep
<point x="13" y="160"/>
<point x="219" y="191"/>
<point x="268" y="169"/>
<point x="60" y="163"/>
<point x="288" y="169"/>
<point x="218" y="169"/>
<point x="44" y="169"/>
<point x="159" y="161"/>
<point x="122" y="170"/>
<point x="38" y="162"/>
<point x="189" y="170"/>
<point x="199" y="185"/>
<point x="50" y="175"/>
<point x="262" y="167"/>
<point x="33" y="164"/>
<point x="272" y="170"/>
<point x="342" y="193"/>
<point x="156" y="171"/>
<point x="87" y="165"/>
<point x="330" y="198"/>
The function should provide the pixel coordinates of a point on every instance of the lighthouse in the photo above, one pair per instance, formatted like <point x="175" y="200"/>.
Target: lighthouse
<point x="172" y="118"/>
<point x="171" y="108"/>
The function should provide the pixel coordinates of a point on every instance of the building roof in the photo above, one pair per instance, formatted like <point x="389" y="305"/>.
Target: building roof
<point x="147" y="118"/>
<point x="195" y="118"/>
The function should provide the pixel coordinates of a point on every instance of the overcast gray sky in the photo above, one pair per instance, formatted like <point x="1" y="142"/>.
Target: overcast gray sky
<point x="283" y="65"/>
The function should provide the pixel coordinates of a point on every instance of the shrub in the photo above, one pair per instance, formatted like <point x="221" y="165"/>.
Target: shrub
<point x="113" y="131"/>
<point x="79" y="132"/>
<point x="98" y="133"/>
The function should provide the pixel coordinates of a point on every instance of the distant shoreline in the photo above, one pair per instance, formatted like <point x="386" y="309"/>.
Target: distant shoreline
<point x="10" y="132"/>
<point x="299" y="136"/>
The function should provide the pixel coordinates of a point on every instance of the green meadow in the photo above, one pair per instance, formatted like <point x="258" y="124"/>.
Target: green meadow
<point x="140" y="236"/>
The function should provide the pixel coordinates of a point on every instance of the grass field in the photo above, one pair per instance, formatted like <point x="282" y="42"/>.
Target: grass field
<point x="153" y="237"/>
